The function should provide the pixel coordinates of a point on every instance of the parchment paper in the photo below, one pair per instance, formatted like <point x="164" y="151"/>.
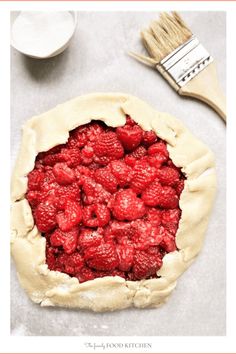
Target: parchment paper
<point x="97" y="61"/>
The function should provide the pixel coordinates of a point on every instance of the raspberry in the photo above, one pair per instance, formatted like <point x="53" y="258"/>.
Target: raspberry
<point x="76" y="261"/>
<point x="51" y="160"/>
<point x="87" y="152"/>
<point x="93" y="166"/>
<point x="146" y="235"/>
<point x="88" y="238"/>
<point x="68" y="240"/>
<point x="179" y="187"/>
<point x="74" y="157"/>
<point x="94" y="130"/>
<point x="78" y="138"/>
<point x="63" y="174"/>
<point x="104" y="177"/>
<point x="128" y="206"/>
<point x="51" y="257"/>
<point x="158" y="148"/>
<point x="154" y="216"/>
<point x="103" y="160"/>
<point x="71" y="216"/>
<point x="87" y="155"/>
<point x="122" y="172"/>
<point x="96" y="215"/>
<point x="168" y="198"/>
<point x="126" y="255"/>
<point x="130" y="121"/>
<point x="119" y="230"/>
<point x="45" y="217"/>
<point x="168" y="242"/>
<point x="63" y="193"/>
<point x="149" y="138"/>
<point x="49" y="181"/>
<point x="143" y="175"/>
<point x="137" y="154"/>
<point x="85" y="274"/>
<point x="83" y="171"/>
<point x="145" y="265"/>
<point x="158" y="195"/>
<point x="55" y="194"/>
<point x="109" y="146"/>
<point x="168" y="176"/>
<point x="130" y="160"/>
<point x="170" y="219"/>
<point x="170" y="216"/>
<point x="157" y="160"/>
<point x="130" y="136"/>
<point x="72" y="263"/>
<point x="172" y="228"/>
<point x="151" y="194"/>
<point x="34" y="198"/>
<point x="102" y="257"/>
<point x="94" y="193"/>
<point x="156" y="251"/>
<point x="35" y="178"/>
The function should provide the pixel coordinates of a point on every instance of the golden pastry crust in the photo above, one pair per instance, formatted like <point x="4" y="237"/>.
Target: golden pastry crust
<point x="50" y="288"/>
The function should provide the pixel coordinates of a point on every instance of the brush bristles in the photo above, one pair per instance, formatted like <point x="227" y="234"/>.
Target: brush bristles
<point x="164" y="36"/>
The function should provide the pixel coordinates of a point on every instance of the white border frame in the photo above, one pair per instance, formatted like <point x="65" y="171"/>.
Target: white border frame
<point x="77" y="344"/>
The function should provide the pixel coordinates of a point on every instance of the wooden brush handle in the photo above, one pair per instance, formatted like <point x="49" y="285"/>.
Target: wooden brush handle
<point x="205" y="87"/>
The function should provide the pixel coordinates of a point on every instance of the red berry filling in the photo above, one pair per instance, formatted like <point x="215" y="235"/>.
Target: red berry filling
<point x="107" y="202"/>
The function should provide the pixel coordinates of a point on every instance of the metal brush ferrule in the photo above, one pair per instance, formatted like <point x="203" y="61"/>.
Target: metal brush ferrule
<point x="186" y="61"/>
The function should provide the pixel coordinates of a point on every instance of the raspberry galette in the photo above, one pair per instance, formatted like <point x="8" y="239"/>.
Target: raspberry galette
<point x="111" y="201"/>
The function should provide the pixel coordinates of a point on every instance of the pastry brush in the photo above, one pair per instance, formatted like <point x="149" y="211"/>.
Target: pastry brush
<point x="182" y="60"/>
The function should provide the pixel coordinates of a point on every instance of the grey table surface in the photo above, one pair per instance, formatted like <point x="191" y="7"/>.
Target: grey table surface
<point x="97" y="61"/>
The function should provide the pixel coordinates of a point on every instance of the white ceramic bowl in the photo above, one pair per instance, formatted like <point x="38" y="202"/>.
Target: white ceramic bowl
<point x="55" y="52"/>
